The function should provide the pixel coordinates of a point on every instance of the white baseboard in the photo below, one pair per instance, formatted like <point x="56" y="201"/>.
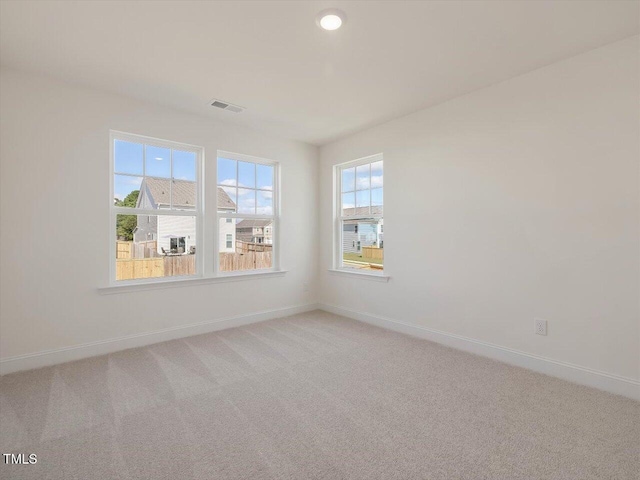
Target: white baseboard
<point x="627" y="387"/>
<point x="92" y="349"/>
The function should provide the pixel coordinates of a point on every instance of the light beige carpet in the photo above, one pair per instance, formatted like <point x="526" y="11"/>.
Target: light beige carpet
<point x="313" y="396"/>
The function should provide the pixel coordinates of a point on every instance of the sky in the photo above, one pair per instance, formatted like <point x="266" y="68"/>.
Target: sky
<point x="249" y="185"/>
<point x="129" y="159"/>
<point x="362" y="185"/>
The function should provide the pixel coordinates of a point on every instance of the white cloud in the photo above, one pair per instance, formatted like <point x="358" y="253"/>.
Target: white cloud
<point x="362" y="183"/>
<point x="376" y="181"/>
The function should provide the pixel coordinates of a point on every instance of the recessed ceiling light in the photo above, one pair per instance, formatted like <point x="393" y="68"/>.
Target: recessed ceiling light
<point x="331" y="19"/>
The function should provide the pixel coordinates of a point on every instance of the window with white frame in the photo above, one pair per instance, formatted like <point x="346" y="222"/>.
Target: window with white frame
<point x="247" y="212"/>
<point x="155" y="208"/>
<point x="359" y="229"/>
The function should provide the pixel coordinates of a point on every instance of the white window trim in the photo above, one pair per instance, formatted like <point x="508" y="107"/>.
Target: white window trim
<point x="202" y="275"/>
<point x="173" y="282"/>
<point x="337" y="267"/>
<point x="275" y="218"/>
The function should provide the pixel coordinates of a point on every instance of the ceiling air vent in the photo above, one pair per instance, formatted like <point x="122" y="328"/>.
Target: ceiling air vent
<point x="226" y="106"/>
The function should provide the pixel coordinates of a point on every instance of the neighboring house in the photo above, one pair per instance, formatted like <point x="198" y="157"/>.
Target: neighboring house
<point x="226" y="230"/>
<point x="175" y="233"/>
<point x="255" y="231"/>
<point x="362" y="233"/>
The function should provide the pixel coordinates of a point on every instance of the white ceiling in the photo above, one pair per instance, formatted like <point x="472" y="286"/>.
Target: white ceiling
<point x="297" y="81"/>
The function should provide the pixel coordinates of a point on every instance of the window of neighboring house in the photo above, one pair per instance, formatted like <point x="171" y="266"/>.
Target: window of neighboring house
<point x="247" y="204"/>
<point x="359" y="234"/>
<point x="229" y="240"/>
<point x="178" y="245"/>
<point x="155" y="210"/>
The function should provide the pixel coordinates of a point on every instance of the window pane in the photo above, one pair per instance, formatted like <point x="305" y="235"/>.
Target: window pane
<point x="349" y="179"/>
<point x="376" y="174"/>
<point x="363" y="244"/>
<point x="227" y="174"/>
<point x="157" y="162"/>
<point x="245" y="244"/>
<point x="362" y="177"/>
<point x="348" y="203"/>
<point x="127" y="157"/>
<point x="264" y="203"/>
<point x="376" y="200"/>
<point x="246" y="201"/>
<point x="265" y="176"/>
<point x="362" y="199"/>
<point x="126" y="190"/>
<point x="246" y="175"/>
<point x="227" y="199"/>
<point x="184" y="165"/>
<point x="153" y="246"/>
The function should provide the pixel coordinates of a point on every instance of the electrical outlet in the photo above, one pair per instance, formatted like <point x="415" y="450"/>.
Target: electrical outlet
<point x="540" y="326"/>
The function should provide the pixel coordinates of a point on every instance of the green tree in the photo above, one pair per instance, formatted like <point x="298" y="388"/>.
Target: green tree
<point x="126" y="224"/>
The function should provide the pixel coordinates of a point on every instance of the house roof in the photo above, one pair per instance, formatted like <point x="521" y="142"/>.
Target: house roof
<point x="362" y="211"/>
<point x="253" y="223"/>
<point x="224" y="201"/>
<point x="184" y="193"/>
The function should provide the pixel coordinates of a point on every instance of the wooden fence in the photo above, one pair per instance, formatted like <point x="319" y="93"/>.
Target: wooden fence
<point x="171" y="265"/>
<point x="179" y="265"/>
<point x="123" y="249"/>
<point x="129" y="250"/>
<point x="244" y="247"/>
<point x="230" y="262"/>
<point x="372" y="253"/>
<point x="133" y="268"/>
<point x="174" y="265"/>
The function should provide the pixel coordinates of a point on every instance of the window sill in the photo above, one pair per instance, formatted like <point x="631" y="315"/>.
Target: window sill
<point x="376" y="277"/>
<point x="188" y="282"/>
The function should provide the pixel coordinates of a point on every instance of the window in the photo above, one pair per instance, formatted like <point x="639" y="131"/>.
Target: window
<point x="155" y="208"/>
<point x="359" y="228"/>
<point x="157" y="221"/>
<point x="177" y="245"/>
<point x="247" y="212"/>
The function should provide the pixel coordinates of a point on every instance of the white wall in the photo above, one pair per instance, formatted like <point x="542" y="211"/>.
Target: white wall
<point x="517" y="201"/>
<point x="54" y="171"/>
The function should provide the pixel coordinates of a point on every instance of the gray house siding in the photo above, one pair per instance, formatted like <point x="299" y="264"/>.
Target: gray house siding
<point x="357" y="235"/>
<point x="147" y="225"/>
<point x="146" y="229"/>
<point x="350" y="240"/>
